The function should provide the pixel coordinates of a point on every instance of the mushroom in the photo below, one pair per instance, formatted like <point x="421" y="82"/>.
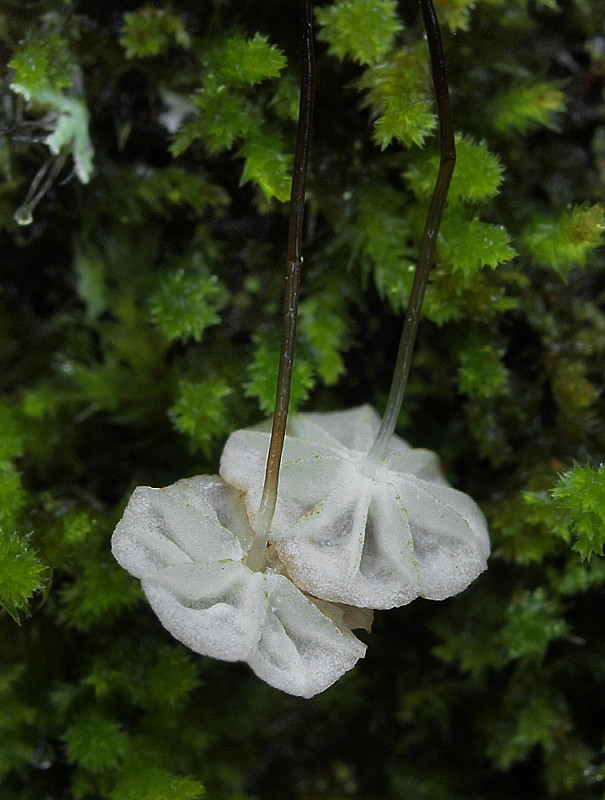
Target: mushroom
<point x="188" y="545"/>
<point x="358" y="529"/>
<point x="277" y="571"/>
<point x="361" y="517"/>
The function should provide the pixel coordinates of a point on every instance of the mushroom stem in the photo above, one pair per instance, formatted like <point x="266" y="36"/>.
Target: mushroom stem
<point x="294" y="262"/>
<point x="429" y="236"/>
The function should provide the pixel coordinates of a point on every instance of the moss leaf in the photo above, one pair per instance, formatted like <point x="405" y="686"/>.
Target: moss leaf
<point x="581" y="491"/>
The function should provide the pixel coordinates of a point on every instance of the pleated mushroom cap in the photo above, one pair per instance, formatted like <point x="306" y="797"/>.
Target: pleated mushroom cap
<point x="187" y="544"/>
<point x="353" y="531"/>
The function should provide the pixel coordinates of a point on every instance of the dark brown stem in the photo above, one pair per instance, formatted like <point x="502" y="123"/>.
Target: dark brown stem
<point x="294" y="262"/>
<point x="429" y="236"/>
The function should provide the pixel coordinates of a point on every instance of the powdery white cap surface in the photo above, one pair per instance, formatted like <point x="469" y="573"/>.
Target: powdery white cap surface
<point x="187" y="543"/>
<point x="368" y="534"/>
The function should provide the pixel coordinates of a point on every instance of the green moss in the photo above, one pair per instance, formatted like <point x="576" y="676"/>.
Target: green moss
<point x="481" y="371"/>
<point x="533" y="621"/>
<point x="13" y="495"/>
<point x="398" y="94"/>
<point x="357" y="31"/>
<point x="95" y="742"/>
<point x="139" y="326"/>
<point x="42" y="63"/>
<point x="477" y="175"/>
<point x="268" y="166"/>
<point x="262" y="376"/>
<point x="581" y="491"/>
<point x="155" y="784"/>
<point x="523" y="108"/>
<point x="185" y="305"/>
<point x="201" y="412"/>
<point x="21" y="572"/>
<point x="149" y="31"/>
<point x="237" y="61"/>
<point x="565" y="243"/>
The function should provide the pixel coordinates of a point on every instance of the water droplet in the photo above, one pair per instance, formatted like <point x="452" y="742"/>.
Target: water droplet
<point x="24" y="215"/>
<point x="43" y="756"/>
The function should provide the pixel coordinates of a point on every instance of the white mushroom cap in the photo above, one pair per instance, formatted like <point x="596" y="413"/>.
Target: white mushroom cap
<point x="187" y="543"/>
<point x="348" y="530"/>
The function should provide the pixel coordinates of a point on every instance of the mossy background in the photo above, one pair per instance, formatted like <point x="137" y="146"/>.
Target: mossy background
<point x="139" y="325"/>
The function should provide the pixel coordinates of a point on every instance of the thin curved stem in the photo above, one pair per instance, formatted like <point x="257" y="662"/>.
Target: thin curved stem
<point x="43" y="180"/>
<point x="429" y="236"/>
<point x="294" y="262"/>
